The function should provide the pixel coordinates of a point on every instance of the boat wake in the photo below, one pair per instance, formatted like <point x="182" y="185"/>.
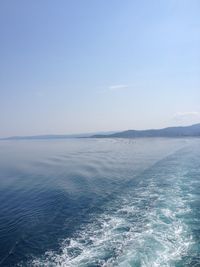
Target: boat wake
<point x="146" y="225"/>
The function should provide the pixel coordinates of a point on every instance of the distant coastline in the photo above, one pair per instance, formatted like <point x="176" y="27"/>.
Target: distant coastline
<point x="179" y="131"/>
<point x="53" y="136"/>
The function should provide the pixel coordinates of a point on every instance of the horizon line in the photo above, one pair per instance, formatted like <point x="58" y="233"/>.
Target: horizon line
<point x="85" y="134"/>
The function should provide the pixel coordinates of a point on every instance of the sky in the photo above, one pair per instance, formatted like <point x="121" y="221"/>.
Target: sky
<point x="74" y="66"/>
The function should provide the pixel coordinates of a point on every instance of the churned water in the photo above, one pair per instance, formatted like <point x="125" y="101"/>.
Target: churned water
<point x="100" y="202"/>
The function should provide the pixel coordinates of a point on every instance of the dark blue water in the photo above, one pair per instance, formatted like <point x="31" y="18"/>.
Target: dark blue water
<point x="115" y="202"/>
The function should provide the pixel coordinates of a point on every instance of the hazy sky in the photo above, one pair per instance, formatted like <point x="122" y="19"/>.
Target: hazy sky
<point x="69" y="66"/>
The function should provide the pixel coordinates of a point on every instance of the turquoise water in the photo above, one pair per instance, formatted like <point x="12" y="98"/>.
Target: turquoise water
<point x="115" y="202"/>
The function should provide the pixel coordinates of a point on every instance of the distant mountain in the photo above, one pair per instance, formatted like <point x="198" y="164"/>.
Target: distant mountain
<point x="181" y="131"/>
<point x="54" y="136"/>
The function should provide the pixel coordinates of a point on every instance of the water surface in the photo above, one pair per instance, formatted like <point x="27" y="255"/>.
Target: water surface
<point x="100" y="202"/>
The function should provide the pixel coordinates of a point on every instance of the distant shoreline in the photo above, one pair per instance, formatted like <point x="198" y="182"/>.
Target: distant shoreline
<point x="173" y="132"/>
<point x="180" y="131"/>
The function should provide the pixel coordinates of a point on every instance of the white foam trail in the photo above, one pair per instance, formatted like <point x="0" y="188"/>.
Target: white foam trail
<point x="145" y="227"/>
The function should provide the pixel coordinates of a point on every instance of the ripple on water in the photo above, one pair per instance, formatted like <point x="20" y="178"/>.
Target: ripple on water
<point x="144" y="226"/>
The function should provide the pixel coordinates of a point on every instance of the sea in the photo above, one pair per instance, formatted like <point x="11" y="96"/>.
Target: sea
<point x="87" y="202"/>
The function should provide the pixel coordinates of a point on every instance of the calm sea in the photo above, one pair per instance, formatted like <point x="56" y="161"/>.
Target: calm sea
<point x="100" y="202"/>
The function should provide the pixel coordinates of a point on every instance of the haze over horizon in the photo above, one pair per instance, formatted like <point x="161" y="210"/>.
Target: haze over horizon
<point x="88" y="66"/>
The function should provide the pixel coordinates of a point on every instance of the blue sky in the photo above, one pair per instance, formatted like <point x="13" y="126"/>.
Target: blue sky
<point x="71" y="66"/>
